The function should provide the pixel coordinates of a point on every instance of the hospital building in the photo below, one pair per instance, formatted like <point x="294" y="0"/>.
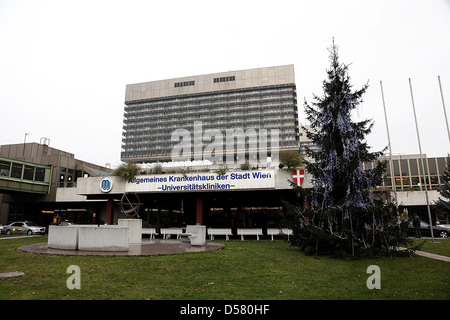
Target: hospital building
<point x="262" y="100"/>
<point x="208" y="148"/>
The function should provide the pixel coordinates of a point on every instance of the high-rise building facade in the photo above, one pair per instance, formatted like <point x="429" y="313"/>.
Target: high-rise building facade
<point x="262" y="99"/>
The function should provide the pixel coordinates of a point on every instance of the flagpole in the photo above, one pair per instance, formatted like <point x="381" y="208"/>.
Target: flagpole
<point x="423" y="167"/>
<point x="443" y="105"/>
<point x="391" y="166"/>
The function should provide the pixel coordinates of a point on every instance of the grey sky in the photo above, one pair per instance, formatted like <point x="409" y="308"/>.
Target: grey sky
<point x="64" y="64"/>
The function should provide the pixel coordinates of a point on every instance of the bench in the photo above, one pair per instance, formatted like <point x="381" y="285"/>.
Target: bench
<point x="150" y="231"/>
<point x="249" y="232"/>
<point x="279" y="231"/>
<point x="167" y="232"/>
<point x="195" y="235"/>
<point x="219" y="232"/>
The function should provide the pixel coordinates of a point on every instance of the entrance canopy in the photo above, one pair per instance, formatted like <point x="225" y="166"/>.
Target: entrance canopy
<point x="244" y="198"/>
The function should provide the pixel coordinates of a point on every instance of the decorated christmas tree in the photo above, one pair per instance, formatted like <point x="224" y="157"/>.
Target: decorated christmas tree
<point x="343" y="214"/>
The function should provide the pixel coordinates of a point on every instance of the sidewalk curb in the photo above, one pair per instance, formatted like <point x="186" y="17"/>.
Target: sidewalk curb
<point x="21" y="237"/>
<point x="433" y="256"/>
<point x="429" y="255"/>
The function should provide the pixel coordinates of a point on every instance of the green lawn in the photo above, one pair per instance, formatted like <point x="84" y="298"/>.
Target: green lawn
<point x="440" y="246"/>
<point x="240" y="271"/>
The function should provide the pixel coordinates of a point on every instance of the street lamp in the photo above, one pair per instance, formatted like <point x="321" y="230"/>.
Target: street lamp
<point x="423" y="167"/>
<point x="24" y="141"/>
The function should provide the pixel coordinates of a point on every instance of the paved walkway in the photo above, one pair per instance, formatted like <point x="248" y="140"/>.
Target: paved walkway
<point x="429" y="255"/>
<point x="11" y="274"/>
<point x="146" y="248"/>
<point x="433" y="256"/>
<point x="18" y="237"/>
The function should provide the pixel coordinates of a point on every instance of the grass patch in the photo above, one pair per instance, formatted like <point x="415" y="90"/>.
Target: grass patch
<point x="440" y="246"/>
<point x="240" y="271"/>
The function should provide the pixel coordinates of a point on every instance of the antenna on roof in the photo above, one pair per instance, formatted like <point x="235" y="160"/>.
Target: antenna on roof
<point x="45" y="141"/>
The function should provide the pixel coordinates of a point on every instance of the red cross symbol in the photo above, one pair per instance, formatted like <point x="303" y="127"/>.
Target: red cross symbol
<point x="298" y="176"/>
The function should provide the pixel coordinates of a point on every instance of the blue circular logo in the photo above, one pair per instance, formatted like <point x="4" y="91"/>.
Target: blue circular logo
<point x="106" y="185"/>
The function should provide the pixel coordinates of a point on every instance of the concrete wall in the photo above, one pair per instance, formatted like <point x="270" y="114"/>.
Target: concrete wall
<point x="91" y="185"/>
<point x="135" y="229"/>
<point x="416" y="198"/>
<point x="63" y="237"/>
<point x="89" y="238"/>
<point x="69" y="195"/>
<point x="103" y="238"/>
<point x="96" y="238"/>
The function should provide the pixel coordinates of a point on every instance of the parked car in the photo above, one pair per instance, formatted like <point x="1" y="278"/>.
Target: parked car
<point x="25" y="227"/>
<point x="65" y="223"/>
<point x="425" y="230"/>
<point x="446" y="226"/>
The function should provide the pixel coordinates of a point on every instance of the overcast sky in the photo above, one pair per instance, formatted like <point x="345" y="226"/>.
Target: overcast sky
<point x="64" y="64"/>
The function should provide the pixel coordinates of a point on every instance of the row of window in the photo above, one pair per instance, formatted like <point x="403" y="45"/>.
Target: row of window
<point x="161" y="133"/>
<point x="408" y="173"/>
<point x="22" y="171"/>
<point x="260" y="93"/>
<point x="224" y="79"/>
<point x="192" y="82"/>
<point x="184" y="84"/>
<point x="165" y="139"/>
<point x="212" y="105"/>
<point x="176" y="121"/>
<point x="413" y="167"/>
<point x="281" y="110"/>
<point x="145" y="150"/>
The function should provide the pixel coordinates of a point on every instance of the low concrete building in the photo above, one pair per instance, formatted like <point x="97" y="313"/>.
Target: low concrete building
<point x="30" y="175"/>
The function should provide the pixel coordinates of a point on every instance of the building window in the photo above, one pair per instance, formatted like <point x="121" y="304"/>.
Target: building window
<point x="432" y="166"/>
<point x="415" y="183"/>
<point x="396" y="166"/>
<point x="414" y="167"/>
<point x="62" y="178"/>
<point x="16" y="171"/>
<point x="40" y="174"/>
<point x="404" y="167"/>
<point x="441" y="166"/>
<point x="5" y="167"/>
<point x="69" y="183"/>
<point x="28" y="172"/>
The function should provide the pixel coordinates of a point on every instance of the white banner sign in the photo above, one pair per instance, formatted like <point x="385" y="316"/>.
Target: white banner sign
<point x="239" y="180"/>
